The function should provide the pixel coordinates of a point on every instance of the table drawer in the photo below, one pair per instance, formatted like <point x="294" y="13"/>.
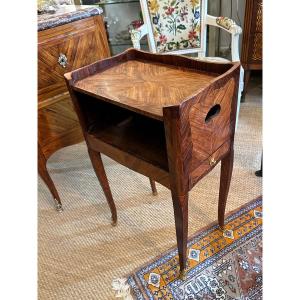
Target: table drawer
<point x="209" y="163"/>
<point x="69" y="48"/>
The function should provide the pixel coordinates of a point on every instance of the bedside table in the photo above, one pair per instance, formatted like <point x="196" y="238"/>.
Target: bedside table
<point x="168" y="117"/>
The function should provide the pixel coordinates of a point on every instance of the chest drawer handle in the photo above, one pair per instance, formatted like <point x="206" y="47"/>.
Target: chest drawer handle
<point x="62" y="60"/>
<point x="212" y="161"/>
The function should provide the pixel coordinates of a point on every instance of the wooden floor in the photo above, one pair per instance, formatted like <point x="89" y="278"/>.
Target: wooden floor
<point x="80" y="252"/>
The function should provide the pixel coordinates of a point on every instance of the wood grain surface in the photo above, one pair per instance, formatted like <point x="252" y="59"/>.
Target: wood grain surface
<point x="145" y="86"/>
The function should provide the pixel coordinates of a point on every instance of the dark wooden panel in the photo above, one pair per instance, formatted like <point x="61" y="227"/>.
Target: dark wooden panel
<point x="256" y="55"/>
<point x="256" y="22"/>
<point x="251" y="57"/>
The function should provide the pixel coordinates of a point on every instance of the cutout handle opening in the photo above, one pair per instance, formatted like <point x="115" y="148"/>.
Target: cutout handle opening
<point x="213" y="112"/>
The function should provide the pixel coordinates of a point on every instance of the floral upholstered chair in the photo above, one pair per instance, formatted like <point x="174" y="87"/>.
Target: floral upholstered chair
<point x="179" y="27"/>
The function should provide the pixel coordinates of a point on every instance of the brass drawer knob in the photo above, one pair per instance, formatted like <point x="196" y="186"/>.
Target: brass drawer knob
<point x="62" y="60"/>
<point x="212" y="161"/>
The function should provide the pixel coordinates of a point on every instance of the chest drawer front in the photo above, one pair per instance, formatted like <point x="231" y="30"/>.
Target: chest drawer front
<point x="55" y="120"/>
<point x="65" y="51"/>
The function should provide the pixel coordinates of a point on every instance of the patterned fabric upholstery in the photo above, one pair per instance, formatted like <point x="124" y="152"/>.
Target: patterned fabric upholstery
<point x="175" y="23"/>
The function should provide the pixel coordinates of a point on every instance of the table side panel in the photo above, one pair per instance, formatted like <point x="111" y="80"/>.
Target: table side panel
<point x="206" y="123"/>
<point x="207" y="136"/>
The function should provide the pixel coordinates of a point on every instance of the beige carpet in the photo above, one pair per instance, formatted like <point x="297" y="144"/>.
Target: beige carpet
<point x="80" y="252"/>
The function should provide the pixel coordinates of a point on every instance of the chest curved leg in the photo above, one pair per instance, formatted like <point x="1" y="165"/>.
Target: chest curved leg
<point x="43" y="172"/>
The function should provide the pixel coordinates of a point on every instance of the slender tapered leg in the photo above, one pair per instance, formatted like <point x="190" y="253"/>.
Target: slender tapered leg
<point x="153" y="187"/>
<point x="226" y="172"/>
<point x="180" y="205"/>
<point x="43" y="172"/>
<point x="100" y="172"/>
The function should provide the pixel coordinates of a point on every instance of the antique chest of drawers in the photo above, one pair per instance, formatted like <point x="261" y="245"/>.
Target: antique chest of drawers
<point x="73" y="37"/>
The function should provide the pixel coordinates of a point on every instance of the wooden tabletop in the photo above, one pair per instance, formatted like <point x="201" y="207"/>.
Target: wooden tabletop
<point x="144" y="82"/>
<point x="146" y="86"/>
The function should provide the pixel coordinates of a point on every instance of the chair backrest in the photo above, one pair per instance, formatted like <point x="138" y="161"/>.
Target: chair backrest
<point x="175" y="26"/>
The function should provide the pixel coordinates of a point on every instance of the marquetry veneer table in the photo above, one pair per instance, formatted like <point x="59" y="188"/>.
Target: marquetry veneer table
<point x="169" y="117"/>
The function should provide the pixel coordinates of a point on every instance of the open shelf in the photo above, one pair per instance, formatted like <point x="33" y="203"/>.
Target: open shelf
<point x="126" y="130"/>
